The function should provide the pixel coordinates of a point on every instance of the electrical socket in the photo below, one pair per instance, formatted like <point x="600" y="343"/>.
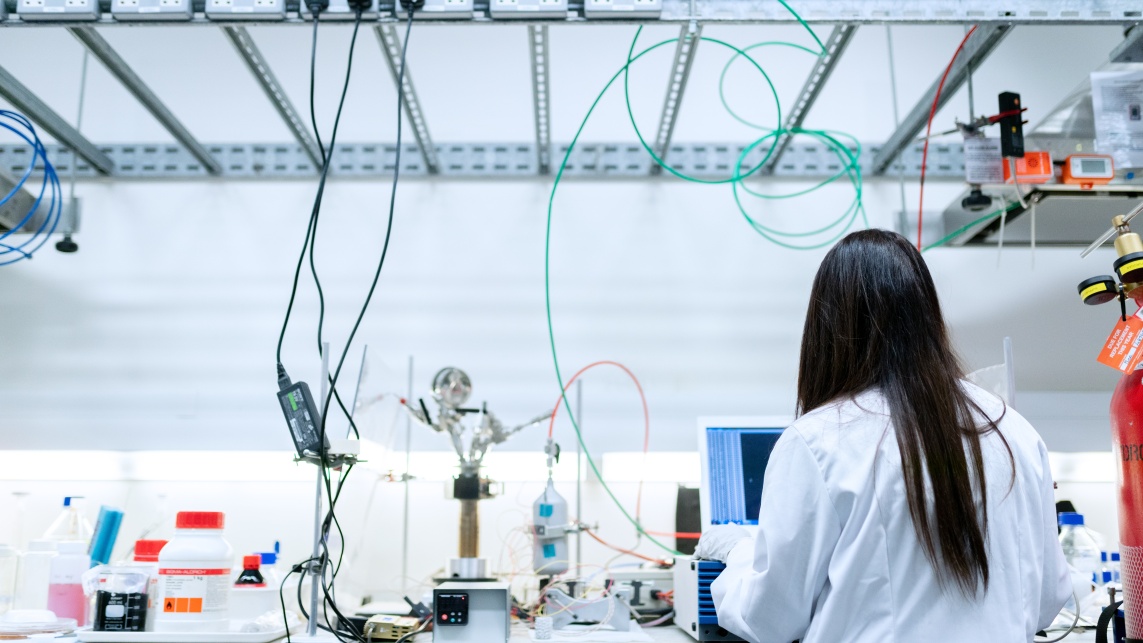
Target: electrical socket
<point x="247" y="9"/>
<point x="438" y="9"/>
<point x="528" y="9"/>
<point x="340" y="10"/>
<point x="58" y="10"/>
<point x="622" y="9"/>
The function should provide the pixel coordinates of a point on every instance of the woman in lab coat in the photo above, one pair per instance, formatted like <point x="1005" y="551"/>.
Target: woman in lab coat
<point x="905" y="504"/>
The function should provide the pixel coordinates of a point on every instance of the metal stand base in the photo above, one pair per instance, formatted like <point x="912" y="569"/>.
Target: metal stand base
<point x="467" y="569"/>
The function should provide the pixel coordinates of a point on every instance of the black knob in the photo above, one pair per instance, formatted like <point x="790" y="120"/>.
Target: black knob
<point x="67" y="245"/>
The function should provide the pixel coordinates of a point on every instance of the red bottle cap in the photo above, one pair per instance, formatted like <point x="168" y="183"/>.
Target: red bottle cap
<point x="147" y="551"/>
<point x="252" y="562"/>
<point x="200" y="520"/>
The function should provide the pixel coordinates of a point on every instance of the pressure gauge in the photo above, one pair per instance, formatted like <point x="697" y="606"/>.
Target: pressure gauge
<point x="1088" y="169"/>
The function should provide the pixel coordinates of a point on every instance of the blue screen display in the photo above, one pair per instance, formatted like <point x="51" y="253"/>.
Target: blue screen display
<point x="737" y="460"/>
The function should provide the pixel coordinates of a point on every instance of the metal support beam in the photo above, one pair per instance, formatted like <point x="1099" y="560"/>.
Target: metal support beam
<point x="1131" y="49"/>
<point x="31" y="106"/>
<point x="982" y="43"/>
<point x="834" y="48"/>
<point x="684" y="57"/>
<point x="131" y="81"/>
<point x="541" y="95"/>
<point x="252" y="56"/>
<point x="390" y="42"/>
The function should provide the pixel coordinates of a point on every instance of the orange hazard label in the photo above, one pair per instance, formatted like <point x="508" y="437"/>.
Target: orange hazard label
<point x="1122" y="350"/>
<point x="169" y="606"/>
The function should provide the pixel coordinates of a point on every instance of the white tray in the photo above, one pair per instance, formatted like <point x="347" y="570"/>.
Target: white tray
<point x="233" y="636"/>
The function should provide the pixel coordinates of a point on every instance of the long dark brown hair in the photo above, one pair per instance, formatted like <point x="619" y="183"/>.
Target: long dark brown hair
<point x="874" y="322"/>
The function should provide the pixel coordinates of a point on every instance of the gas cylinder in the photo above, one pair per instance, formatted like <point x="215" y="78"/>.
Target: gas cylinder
<point x="1127" y="441"/>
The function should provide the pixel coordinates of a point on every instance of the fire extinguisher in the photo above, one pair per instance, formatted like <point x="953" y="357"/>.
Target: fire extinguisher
<point x="1126" y="414"/>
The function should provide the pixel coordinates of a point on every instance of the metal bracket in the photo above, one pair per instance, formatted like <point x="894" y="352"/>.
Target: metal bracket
<point x="131" y="81"/>
<point x="982" y="43"/>
<point x="834" y="48"/>
<point x="31" y="106"/>
<point x="390" y="43"/>
<point x="541" y="95"/>
<point x="681" y="70"/>
<point x="254" y="60"/>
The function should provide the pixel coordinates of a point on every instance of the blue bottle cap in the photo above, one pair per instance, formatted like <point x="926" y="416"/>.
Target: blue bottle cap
<point x="1103" y="556"/>
<point x="1071" y="518"/>
<point x="269" y="558"/>
<point x="1105" y="576"/>
<point x="1115" y="557"/>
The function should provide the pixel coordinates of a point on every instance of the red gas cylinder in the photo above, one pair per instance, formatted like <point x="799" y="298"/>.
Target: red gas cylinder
<point x="1127" y="441"/>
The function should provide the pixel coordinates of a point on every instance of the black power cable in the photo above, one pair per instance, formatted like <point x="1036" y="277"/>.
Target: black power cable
<point x="310" y="241"/>
<point x="323" y="562"/>
<point x="331" y="519"/>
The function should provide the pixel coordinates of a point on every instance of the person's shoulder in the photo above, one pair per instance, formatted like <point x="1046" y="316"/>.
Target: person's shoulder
<point x="866" y="410"/>
<point x="1011" y="424"/>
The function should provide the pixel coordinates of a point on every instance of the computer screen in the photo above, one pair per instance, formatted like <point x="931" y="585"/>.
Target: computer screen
<point x="736" y="459"/>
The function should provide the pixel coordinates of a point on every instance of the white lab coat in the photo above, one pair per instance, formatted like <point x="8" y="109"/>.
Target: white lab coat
<point x="836" y="559"/>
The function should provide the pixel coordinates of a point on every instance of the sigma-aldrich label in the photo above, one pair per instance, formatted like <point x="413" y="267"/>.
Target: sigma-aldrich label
<point x="194" y="591"/>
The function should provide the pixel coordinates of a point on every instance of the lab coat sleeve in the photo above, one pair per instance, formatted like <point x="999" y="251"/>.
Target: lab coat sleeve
<point x="768" y="590"/>
<point x="1057" y="584"/>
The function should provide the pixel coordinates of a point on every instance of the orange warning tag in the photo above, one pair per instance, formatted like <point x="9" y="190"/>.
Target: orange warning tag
<point x="1122" y="349"/>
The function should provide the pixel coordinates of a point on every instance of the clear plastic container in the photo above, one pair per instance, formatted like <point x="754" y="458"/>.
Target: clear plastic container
<point x="71" y="524"/>
<point x="33" y="574"/>
<point x="194" y="575"/>
<point x="65" y="584"/>
<point x="147" y="557"/>
<point x="8" y="561"/>
<point x="1081" y="552"/>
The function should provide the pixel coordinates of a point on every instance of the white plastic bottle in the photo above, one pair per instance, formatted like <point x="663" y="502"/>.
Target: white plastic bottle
<point x="8" y="560"/>
<point x="550" y="554"/>
<point x="71" y="524"/>
<point x="65" y="588"/>
<point x="147" y="557"/>
<point x="194" y="575"/>
<point x="1081" y="552"/>
<point x="33" y="574"/>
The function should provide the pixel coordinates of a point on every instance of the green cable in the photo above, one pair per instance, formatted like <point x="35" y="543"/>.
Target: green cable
<point x="548" y="302"/>
<point x="851" y="169"/>
<point x="991" y="215"/>
<point x="738" y="176"/>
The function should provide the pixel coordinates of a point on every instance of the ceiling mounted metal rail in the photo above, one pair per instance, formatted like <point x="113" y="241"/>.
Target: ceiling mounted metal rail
<point x="390" y="43"/>
<point x="253" y="58"/>
<point x="685" y="50"/>
<point x="624" y="161"/>
<point x="978" y="47"/>
<point x="541" y="95"/>
<point x="131" y="81"/>
<point x="834" y="48"/>
<point x="817" y="12"/>
<point x="31" y="106"/>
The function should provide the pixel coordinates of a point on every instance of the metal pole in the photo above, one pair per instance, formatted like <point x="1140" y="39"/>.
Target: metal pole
<point x="405" y="520"/>
<point x="579" y="472"/>
<point x="315" y="579"/>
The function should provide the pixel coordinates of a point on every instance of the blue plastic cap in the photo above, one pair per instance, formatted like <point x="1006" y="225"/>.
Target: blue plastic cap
<point x="1106" y="576"/>
<point x="269" y="558"/>
<point x="67" y="501"/>
<point x="1070" y="518"/>
<point x="1103" y="556"/>
<point x="1115" y="557"/>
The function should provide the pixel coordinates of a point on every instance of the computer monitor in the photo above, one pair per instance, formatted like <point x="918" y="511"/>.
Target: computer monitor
<point x="733" y="453"/>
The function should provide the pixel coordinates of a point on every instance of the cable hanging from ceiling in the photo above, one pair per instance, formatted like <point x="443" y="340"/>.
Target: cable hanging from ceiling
<point x="44" y="214"/>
